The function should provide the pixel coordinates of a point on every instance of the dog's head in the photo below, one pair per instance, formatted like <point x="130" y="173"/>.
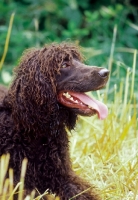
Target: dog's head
<point x="74" y="80"/>
<point x="51" y="79"/>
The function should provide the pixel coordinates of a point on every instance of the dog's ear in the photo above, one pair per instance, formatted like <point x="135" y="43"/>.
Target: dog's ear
<point x="32" y="95"/>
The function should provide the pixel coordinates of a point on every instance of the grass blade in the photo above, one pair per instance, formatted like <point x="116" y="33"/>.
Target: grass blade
<point x="7" y="40"/>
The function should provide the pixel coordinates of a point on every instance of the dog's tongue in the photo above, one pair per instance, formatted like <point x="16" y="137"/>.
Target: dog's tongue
<point x="101" y="108"/>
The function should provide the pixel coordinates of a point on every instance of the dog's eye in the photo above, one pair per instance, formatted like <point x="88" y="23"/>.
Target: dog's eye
<point x="65" y="65"/>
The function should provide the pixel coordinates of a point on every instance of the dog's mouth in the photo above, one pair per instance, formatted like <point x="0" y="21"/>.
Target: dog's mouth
<point x="83" y="103"/>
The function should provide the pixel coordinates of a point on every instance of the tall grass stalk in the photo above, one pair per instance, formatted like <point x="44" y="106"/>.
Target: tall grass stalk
<point x="3" y="165"/>
<point x="126" y="87"/>
<point x="11" y="183"/>
<point x="7" y="41"/>
<point x="111" y="55"/>
<point x="21" y="187"/>
<point x="133" y="74"/>
<point x="12" y="192"/>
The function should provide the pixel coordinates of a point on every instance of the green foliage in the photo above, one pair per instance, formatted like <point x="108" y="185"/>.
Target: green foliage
<point x="89" y="23"/>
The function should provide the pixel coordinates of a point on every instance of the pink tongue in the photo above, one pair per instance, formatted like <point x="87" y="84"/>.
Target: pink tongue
<point x="101" y="108"/>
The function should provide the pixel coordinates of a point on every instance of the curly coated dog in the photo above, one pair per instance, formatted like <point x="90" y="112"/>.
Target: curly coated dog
<point x="44" y="99"/>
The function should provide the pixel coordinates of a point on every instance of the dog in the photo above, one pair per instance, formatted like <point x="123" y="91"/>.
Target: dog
<point x="44" y="99"/>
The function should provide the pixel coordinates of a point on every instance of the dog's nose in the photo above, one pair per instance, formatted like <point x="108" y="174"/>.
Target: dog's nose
<point x="104" y="73"/>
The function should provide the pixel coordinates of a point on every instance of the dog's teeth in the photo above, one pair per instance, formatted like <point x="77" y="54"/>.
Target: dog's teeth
<point x="67" y="95"/>
<point x="89" y="107"/>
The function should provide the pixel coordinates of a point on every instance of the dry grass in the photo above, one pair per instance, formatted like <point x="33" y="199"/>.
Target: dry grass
<point x="106" y="152"/>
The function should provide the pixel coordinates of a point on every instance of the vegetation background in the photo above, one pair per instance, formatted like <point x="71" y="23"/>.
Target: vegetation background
<point x="108" y="32"/>
<point x="90" y="23"/>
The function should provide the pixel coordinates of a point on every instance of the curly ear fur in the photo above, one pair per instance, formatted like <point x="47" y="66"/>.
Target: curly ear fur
<point x="33" y="92"/>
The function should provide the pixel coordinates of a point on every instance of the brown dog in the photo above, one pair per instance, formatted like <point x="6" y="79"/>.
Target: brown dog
<point x="44" y="99"/>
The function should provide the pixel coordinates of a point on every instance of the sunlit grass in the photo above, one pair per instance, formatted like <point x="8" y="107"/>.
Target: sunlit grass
<point x="105" y="152"/>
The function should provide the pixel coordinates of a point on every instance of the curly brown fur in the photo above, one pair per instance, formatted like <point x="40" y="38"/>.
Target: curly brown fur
<point x="33" y="123"/>
<point x="3" y="92"/>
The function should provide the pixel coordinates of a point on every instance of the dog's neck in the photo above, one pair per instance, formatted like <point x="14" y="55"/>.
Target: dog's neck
<point x="34" y="127"/>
